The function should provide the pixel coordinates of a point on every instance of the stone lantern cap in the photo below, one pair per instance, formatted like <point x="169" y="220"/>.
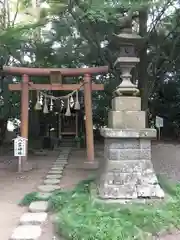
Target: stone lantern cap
<point x="127" y="60"/>
<point x="127" y="37"/>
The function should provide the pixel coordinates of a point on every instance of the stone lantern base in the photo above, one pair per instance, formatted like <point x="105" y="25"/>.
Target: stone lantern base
<point x="127" y="171"/>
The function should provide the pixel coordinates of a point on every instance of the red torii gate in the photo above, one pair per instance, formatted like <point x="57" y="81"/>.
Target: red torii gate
<point x="26" y="85"/>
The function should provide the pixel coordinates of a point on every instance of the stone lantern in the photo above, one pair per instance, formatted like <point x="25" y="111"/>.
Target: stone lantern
<point x="126" y="171"/>
<point x="127" y="42"/>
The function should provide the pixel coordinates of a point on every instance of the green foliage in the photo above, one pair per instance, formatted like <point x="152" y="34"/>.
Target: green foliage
<point x="32" y="197"/>
<point x="23" y="4"/>
<point x="80" y="139"/>
<point x="79" y="217"/>
<point x="28" y="199"/>
<point x="79" y="35"/>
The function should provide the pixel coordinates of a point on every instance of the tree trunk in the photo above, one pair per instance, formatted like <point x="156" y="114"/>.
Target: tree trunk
<point x="143" y="75"/>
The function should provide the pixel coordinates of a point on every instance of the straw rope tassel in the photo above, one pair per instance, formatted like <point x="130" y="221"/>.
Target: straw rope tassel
<point x="51" y="105"/>
<point x="71" y="101"/>
<point x="41" y="98"/>
<point x="45" y="109"/>
<point x="77" y="104"/>
<point x="68" y="111"/>
<point x="38" y="104"/>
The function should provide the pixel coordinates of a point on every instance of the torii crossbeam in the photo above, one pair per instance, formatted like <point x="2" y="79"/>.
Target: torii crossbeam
<point x="88" y="86"/>
<point x="54" y="87"/>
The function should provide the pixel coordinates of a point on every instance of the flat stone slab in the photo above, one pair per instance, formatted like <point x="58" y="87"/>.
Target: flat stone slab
<point x="63" y="158"/>
<point x="58" y="176"/>
<point x="55" y="172"/>
<point x="51" y="181"/>
<point x="33" y="218"/>
<point x="57" y="168"/>
<point x="38" y="206"/>
<point x="61" y="161"/>
<point x="44" y="196"/>
<point x="48" y="188"/>
<point x="26" y="232"/>
<point x="60" y="166"/>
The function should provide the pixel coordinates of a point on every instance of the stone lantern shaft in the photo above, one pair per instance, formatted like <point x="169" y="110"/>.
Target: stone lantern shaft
<point x="127" y="171"/>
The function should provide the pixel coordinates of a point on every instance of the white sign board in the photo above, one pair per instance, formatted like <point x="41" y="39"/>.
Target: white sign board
<point x="159" y="122"/>
<point x="20" y="147"/>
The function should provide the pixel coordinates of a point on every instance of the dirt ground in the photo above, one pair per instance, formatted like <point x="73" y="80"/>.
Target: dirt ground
<point x="14" y="186"/>
<point x="165" y="157"/>
<point x="166" y="160"/>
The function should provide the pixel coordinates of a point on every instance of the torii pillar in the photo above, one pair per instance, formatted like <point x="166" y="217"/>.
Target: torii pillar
<point x="88" y="115"/>
<point x="25" y="118"/>
<point x="25" y="106"/>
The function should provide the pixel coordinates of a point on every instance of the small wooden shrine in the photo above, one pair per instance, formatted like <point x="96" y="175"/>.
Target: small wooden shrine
<point x="65" y="114"/>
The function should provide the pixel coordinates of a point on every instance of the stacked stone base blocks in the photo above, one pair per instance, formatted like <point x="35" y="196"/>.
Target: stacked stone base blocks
<point x="127" y="171"/>
<point x="30" y="226"/>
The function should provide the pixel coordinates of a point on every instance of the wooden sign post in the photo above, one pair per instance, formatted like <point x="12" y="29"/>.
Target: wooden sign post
<point x="20" y="150"/>
<point x="159" y="125"/>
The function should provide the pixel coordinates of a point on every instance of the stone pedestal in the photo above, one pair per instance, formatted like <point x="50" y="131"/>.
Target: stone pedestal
<point x="127" y="171"/>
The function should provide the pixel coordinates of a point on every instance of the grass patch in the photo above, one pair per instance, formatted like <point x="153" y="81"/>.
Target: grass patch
<point x="32" y="197"/>
<point x="79" y="218"/>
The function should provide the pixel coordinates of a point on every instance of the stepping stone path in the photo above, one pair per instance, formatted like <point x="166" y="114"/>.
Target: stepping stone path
<point x="60" y="167"/>
<point x="44" y="196"/>
<point x="52" y="181"/>
<point x="54" y="176"/>
<point x="48" y="188"/>
<point x="39" y="206"/>
<point x="60" y="163"/>
<point x="57" y="168"/>
<point x="26" y="232"/>
<point x="55" y="172"/>
<point x="33" y="218"/>
<point x="32" y="221"/>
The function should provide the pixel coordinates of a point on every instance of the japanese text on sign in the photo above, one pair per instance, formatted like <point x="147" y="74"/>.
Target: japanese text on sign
<point x="159" y="122"/>
<point x="20" y="147"/>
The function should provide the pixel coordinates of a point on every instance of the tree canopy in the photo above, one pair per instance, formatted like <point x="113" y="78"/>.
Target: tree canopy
<point x="77" y="33"/>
